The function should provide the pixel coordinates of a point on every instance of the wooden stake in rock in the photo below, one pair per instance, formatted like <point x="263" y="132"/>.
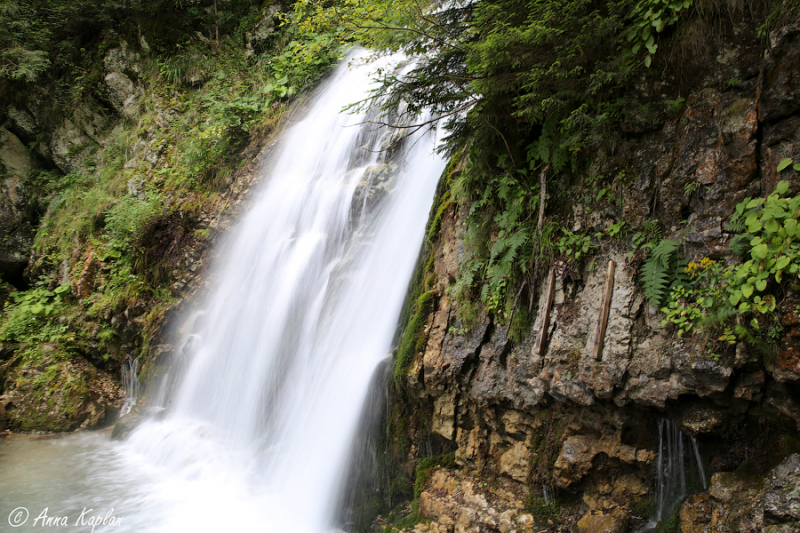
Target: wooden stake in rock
<point x="548" y="305"/>
<point x="604" y="309"/>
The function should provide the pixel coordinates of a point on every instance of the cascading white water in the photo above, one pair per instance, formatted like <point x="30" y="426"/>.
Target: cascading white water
<point x="130" y="383"/>
<point x="304" y="308"/>
<point x="671" y="478"/>
<point x="275" y="367"/>
<point x="677" y="470"/>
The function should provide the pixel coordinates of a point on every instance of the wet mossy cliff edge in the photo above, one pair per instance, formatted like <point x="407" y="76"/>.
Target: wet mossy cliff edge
<point x="488" y="433"/>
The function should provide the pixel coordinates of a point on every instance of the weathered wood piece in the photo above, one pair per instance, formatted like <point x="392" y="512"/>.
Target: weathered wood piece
<point x="548" y="305"/>
<point x="604" y="310"/>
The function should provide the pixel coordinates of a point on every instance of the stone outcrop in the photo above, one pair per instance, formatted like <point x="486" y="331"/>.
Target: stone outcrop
<point x="563" y="421"/>
<point x="57" y="393"/>
<point x="122" y="64"/>
<point x="456" y="504"/>
<point x="782" y="493"/>
<point x="17" y="204"/>
<point x="255" y="38"/>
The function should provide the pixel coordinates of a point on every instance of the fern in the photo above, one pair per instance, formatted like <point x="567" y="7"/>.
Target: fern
<point x="652" y="228"/>
<point x="659" y="271"/>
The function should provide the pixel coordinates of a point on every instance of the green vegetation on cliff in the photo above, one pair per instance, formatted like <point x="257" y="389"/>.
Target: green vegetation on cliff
<point x="536" y="95"/>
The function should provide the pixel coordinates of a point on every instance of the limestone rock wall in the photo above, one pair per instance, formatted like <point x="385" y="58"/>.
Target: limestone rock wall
<point x="562" y="422"/>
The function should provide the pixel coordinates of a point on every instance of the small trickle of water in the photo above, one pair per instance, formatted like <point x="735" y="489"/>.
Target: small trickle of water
<point x="547" y="492"/>
<point x="679" y="471"/>
<point x="130" y="383"/>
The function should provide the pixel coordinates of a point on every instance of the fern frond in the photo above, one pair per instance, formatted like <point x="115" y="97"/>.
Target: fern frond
<point x="654" y="279"/>
<point x="663" y="251"/>
<point x="658" y="271"/>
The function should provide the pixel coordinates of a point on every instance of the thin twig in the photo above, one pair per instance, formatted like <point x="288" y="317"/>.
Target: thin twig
<point x="416" y="127"/>
<point x="384" y="26"/>
<point x="514" y="307"/>
<point x="504" y="141"/>
<point x="539" y="225"/>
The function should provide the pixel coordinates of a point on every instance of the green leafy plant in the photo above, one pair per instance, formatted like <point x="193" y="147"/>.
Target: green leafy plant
<point x="617" y="230"/>
<point x="783" y="165"/>
<point x="774" y="239"/>
<point x="651" y="17"/>
<point x="29" y="315"/>
<point x="660" y="271"/>
<point x="676" y="104"/>
<point x="575" y="245"/>
<point x="769" y="244"/>
<point x="699" y="293"/>
<point x="690" y="187"/>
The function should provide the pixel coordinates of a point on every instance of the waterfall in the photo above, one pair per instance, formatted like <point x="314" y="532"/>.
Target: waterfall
<point x="367" y="486"/>
<point x="130" y="383"/>
<point x="679" y="471"/>
<point x="276" y="364"/>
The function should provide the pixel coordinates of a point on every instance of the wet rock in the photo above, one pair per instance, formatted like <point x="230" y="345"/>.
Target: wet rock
<point x="377" y="182"/>
<point x="696" y="514"/>
<point x="781" y="85"/>
<point x="515" y="463"/>
<point x="121" y="63"/>
<point x="16" y="206"/>
<point x="715" y="150"/>
<point x="614" y="521"/>
<point x="783" y="528"/>
<point x="127" y="423"/>
<point x="444" y="416"/>
<point x="454" y="502"/>
<point x="780" y="396"/>
<point x="263" y="28"/>
<point x="578" y="451"/>
<point x="782" y="492"/>
<point x="748" y="386"/>
<point x="725" y="486"/>
<point x="700" y="418"/>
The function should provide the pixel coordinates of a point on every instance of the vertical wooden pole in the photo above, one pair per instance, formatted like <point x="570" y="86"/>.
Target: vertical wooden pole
<point x="216" y="21"/>
<point x="604" y="309"/>
<point x="548" y="305"/>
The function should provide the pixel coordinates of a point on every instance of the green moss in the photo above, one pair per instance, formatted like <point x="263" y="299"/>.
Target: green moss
<point x="410" y="342"/>
<point x="671" y="524"/>
<point x="645" y="508"/>
<point x="436" y="224"/>
<point x="520" y="322"/>
<point x="425" y="469"/>
<point x="545" y="447"/>
<point x="541" y="510"/>
<point x="54" y="397"/>
<point x="791" y="444"/>
<point x="400" y="434"/>
<point x="400" y="489"/>
<point x="423" y="472"/>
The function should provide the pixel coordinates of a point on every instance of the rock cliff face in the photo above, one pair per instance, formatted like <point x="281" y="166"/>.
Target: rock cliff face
<point x="17" y="205"/>
<point x="526" y="426"/>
